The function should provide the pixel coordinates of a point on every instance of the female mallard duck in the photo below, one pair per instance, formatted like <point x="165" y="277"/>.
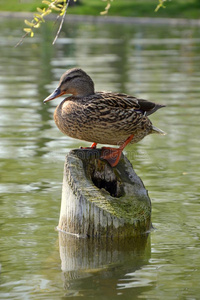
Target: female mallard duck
<point x="101" y="117"/>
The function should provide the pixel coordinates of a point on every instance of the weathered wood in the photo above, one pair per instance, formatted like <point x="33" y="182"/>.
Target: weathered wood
<point x="98" y="200"/>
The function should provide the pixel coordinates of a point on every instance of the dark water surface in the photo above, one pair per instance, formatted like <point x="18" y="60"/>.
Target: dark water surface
<point x="159" y="63"/>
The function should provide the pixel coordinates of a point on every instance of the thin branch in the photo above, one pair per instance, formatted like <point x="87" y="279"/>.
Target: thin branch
<point x="61" y="23"/>
<point x="21" y="40"/>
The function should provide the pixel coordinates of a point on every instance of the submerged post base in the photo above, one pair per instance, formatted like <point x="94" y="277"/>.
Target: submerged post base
<point x="101" y="201"/>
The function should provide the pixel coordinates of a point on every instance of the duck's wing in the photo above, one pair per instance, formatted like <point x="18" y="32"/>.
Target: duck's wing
<point x="125" y="101"/>
<point x="115" y="111"/>
<point x="118" y="100"/>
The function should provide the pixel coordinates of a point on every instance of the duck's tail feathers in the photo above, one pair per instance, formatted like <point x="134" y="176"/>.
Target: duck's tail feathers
<point x="157" y="130"/>
<point x="155" y="108"/>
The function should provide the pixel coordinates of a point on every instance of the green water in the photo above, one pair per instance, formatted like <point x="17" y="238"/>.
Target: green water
<point x="159" y="63"/>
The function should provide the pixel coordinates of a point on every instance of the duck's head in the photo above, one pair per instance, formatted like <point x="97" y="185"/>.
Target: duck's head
<point x="75" y="82"/>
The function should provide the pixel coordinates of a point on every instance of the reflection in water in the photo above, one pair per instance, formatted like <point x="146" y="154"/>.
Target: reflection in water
<point x="156" y="63"/>
<point x="107" y="260"/>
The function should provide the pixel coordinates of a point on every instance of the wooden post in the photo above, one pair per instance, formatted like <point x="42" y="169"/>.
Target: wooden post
<point x="101" y="201"/>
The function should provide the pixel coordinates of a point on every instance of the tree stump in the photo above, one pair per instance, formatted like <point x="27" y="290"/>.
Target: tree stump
<point x="101" y="201"/>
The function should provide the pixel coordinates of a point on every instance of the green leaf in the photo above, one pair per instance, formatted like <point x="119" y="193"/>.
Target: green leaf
<point x="107" y="6"/>
<point x="27" y="29"/>
<point x="40" y="17"/>
<point x="29" y="23"/>
<point x="37" y="25"/>
<point x="103" y="12"/>
<point x="40" y="10"/>
<point x="55" y="8"/>
<point x="160" y="5"/>
<point x="47" y="12"/>
<point x="46" y="2"/>
<point x="37" y="16"/>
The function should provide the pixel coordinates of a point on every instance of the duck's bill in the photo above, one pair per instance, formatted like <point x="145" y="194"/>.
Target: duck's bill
<point x="55" y="94"/>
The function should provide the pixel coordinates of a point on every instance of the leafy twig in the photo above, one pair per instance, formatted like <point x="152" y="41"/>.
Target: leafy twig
<point x="106" y="8"/>
<point x="57" y="5"/>
<point x="160" y="4"/>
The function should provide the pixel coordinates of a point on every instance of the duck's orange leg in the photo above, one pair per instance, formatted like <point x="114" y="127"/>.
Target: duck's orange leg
<point x="93" y="146"/>
<point x="113" y="155"/>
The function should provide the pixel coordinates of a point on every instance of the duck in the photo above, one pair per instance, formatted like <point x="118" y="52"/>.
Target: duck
<point x="101" y="117"/>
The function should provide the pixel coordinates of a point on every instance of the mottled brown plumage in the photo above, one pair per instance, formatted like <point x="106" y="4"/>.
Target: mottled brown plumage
<point x="100" y="117"/>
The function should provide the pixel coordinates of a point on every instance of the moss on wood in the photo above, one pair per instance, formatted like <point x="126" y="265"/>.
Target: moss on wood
<point x="99" y="200"/>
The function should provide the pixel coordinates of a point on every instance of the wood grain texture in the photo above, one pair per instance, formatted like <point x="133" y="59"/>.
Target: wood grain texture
<point x="98" y="200"/>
